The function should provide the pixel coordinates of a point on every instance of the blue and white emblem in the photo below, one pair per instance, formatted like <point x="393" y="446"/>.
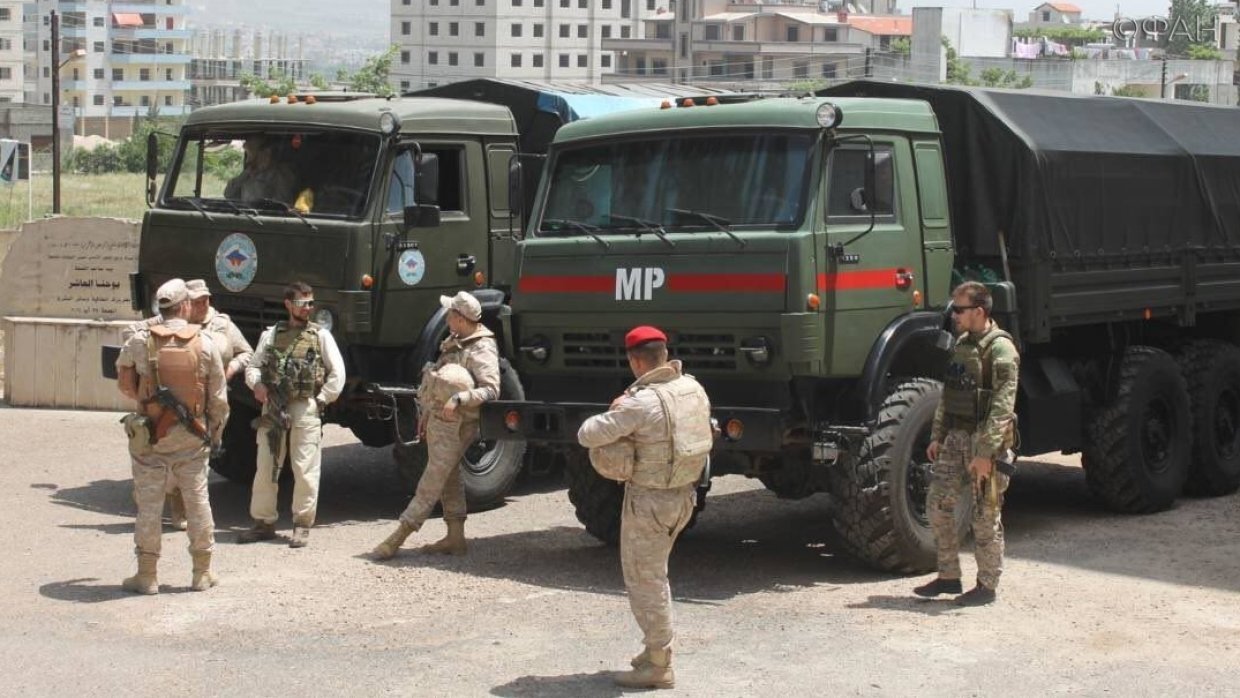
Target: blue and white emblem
<point x="411" y="267"/>
<point x="236" y="262"/>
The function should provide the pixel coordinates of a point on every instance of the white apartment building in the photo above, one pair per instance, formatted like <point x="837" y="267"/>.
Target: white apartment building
<point x="12" y="62"/>
<point x="444" y="41"/>
<point x="136" y="60"/>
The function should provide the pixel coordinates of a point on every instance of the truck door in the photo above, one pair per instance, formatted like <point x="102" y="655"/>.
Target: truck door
<point x="431" y="261"/>
<point x="935" y="232"/>
<point x="872" y="279"/>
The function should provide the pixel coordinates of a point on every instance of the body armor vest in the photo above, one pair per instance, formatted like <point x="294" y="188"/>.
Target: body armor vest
<point x="967" y="387"/>
<point x="680" y="460"/>
<point x="172" y="360"/>
<point x="295" y="361"/>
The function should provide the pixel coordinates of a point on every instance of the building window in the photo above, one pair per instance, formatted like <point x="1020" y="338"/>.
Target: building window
<point x="47" y="72"/>
<point x="406" y="2"/>
<point x="454" y="28"/>
<point x="626" y="9"/>
<point x="480" y="3"/>
<point x="117" y="101"/>
<point x="711" y="32"/>
<point x="1046" y="16"/>
<point x="606" y="4"/>
<point x="479" y="60"/>
<point x="581" y="60"/>
<point x="452" y="58"/>
<point x="641" y="66"/>
<point x="405" y="58"/>
<point x="606" y="31"/>
<point x="605" y="60"/>
<point x="800" y="71"/>
<point x="538" y="60"/>
<point x="663" y="30"/>
<point x="563" y="60"/>
<point x="738" y="32"/>
<point x="167" y="100"/>
<point x="145" y="100"/>
<point x="564" y="31"/>
<point x="97" y="47"/>
<point x="454" y="3"/>
<point x="5" y="14"/>
<point x="480" y="28"/>
<point x="516" y="30"/>
<point x="582" y="4"/>
<point x="406" y="28"/>
<point x="626" y="32"/>
<point x="658" y="66"/>
<point x="684" y="44"/>
<point x="828" y="70"/>
<point x="144" y="74"/>
<point x="433" y="29"/>
<point x="516" y="60"/>
<point x="404" y="85"/>
<point x="538" y="31"/>
<point x="118" y="74"/>
<point x="98" y="21"/>
<point x="831" y="34"/>
<point x="432" y="57"/>
<point x="432" y="84"/>
<point x="516" y="3"/>
<point x="98" y="73"/>
<point x="794" y="33"/>
<point x="6" y="45"/>
<point x="583" y="31"/>
<point x="6" y="73"/>
<point x="538" y="3"/>
<point x="650" y="5"/>
<point x="565" y="3"/>
<point x="768" y="67"/>
<point x="97" y="100"/>
<point x="168" y="74"/>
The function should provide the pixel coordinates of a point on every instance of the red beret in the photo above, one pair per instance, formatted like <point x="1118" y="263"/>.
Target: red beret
<point x="640" y="335"/>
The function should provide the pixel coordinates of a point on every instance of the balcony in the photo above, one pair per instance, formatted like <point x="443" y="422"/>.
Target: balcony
<point x="787" y="48"/>
<point x="637" y="45"/>
<point x="150" y="86"/>
<point x="148" y="8"/>
<point x="147" y="58"/>
<point x="150" y="33"/>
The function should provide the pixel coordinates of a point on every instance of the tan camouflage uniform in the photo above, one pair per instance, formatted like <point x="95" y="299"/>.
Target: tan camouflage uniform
<point x="961" y="440"/>
<point x="447" y="441"/>
<point x="652" y="517"/>
<point x="180" y="455"/>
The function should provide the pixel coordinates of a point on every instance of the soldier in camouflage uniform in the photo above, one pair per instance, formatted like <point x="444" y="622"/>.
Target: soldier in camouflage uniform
<point x="173" y="359"/>
<point x="449" y="401"/>
<point x="664" y="417"/>
<point x="296" y="372"/>
<point x="974" y="430"/>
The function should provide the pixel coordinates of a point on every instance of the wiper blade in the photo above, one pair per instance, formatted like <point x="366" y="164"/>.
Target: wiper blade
<point x="240" y="211"/>
<point x="645" y="226"/>
<point x="193" y="201"/>
<point x="580" y="227"/>
<point x="721" y="224"/>
<point x="285" y="208"/>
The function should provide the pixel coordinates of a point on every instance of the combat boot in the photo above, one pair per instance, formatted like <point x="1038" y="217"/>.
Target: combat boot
<point x="656" y="673"/>
<point x="176" y="510"/>
<point x="259" y="531"/>
<point x="144" y="582"/>
<point x="387" y="549"/>
<point x="939" y="586"/>
<point x="977" y="596"/>
<point x="203" y="578"/>
<point x="451" y="544"/>
<point x="642" y="658"/>
<point x="300" y="537"/>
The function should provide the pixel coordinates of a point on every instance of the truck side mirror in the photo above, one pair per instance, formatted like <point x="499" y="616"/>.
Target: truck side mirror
<point x="422" y="216"/>
<point x="515" y="194"/>
<point x="152" y="165"/>
<point x="426" y="178"/>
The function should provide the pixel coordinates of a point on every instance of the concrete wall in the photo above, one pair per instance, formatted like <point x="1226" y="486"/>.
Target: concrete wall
<point x="1084" y="76"/>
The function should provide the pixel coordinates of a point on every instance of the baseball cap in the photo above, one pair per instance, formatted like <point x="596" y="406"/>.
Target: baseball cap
<point x="642" y="334"/>
<point x="173" y="292"/>
<point x="197" y="288"/>
<point x="463" y="303"/>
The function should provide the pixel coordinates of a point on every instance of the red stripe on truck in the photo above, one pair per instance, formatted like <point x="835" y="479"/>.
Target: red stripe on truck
<point x="567" y="284"/>
<point x="705" y="283"/>
<point x="861" y="279"/>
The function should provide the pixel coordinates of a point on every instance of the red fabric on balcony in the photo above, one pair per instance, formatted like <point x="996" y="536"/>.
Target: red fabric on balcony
<point x="126" y="19"/>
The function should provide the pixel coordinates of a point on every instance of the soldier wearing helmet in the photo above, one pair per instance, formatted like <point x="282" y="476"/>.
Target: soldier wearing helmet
<point x="449" y="398"/>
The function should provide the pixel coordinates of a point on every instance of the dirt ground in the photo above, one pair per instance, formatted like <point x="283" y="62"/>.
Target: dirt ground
<point x="1091" y="603"/>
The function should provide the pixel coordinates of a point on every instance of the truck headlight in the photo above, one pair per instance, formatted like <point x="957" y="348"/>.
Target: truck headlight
<point x="323" y="318"/>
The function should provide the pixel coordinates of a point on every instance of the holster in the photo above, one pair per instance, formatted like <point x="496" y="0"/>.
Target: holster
<point x="138" y="430"/>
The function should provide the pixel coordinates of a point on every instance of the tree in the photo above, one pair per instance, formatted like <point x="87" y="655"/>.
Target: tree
<point x="372" y="77"/>
<point x="279" y="84"/>
<point x="318" y="82"/>
<point x="901" y="46"/>
<point x="957" y="70"/>
<point x="998" y="77"/>
<point x="1128" y="91"/>
<point x="1204" y="52"/>
<point x="1192" y="23"/>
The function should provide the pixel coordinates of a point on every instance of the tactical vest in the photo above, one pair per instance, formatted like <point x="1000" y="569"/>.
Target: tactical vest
<point x="172" y="361"/>
<point x="967" y="387"/>
<point x="295" y="361"/>
<point x="680" y="460"/>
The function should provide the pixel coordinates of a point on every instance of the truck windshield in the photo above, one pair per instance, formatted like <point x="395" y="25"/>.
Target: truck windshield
<point x="324" y="173"/>
<point x="695" y="183"/>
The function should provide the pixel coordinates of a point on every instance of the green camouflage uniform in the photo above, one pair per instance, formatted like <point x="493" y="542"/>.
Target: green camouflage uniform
<point x="976" y="417"/>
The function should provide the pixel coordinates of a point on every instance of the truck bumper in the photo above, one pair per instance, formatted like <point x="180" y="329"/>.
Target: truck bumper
<point x="761" y="430"/>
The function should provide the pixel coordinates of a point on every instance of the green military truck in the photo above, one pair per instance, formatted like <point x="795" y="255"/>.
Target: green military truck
<point x="800" y="252"/>
<point x="382" y="205"/>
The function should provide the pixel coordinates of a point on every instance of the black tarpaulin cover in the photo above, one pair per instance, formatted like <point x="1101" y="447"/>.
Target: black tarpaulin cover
<point x="1081" y="177"/>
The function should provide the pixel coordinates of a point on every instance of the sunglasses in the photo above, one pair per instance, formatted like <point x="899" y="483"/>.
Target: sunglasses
<point x="959" y="309"/>
<point x="303" y="302"/>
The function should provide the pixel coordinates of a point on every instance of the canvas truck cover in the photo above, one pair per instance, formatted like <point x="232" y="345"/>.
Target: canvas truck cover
<point x="1080" y="179"/>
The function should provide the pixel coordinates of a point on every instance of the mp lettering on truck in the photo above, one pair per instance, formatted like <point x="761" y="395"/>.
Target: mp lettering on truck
<point x="638" y="283"/>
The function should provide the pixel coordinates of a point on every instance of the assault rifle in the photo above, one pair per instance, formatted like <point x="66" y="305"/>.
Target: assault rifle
<point x="278" y="422"/>
<point x="168" y="400"/>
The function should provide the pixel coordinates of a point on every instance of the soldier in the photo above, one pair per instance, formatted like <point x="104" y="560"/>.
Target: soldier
<point x="974" y="429"/>
<point x="295" y="373"/>
<point x="449" y="398"/>
<point x="174" y="372"/>
<point x="665" y="417"/>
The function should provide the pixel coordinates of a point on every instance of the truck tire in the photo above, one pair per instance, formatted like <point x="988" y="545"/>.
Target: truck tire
<point x="1138" y="448"/>
<point x="1212" y="371"/>
<point x="879" y="492"/>
<point x="238" y="462"/>
<point x="488" y="469"/>
<point x="596" y="500"/>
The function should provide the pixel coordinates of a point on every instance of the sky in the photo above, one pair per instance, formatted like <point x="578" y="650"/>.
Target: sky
<point x="1092" y="9"/>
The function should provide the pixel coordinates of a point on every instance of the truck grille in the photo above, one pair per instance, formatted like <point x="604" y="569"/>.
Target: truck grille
<point x="250" y="315"/>
<point x="697" y="351"/>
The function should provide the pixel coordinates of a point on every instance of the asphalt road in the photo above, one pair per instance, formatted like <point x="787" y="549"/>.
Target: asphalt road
<point x="1091" y="603"/>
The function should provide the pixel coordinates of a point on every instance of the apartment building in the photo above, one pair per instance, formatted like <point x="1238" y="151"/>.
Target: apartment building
<point x="717" y="40"/>
<point x="220" y="59"/>
<point x="12" y="63"/>
<point x="444" y="41"/>
<point x="136" y="60"/>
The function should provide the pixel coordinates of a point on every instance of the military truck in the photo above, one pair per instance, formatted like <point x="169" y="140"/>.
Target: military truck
<point x="800" y="252"/>
<point x="382" y="205"/>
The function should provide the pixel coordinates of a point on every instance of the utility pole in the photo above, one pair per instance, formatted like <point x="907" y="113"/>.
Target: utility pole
<point x="55" y="22"/>
<point x="1162" y="93"/>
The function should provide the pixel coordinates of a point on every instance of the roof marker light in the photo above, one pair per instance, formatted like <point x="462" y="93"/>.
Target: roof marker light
<point x="687" y="103"/>
<point x="712" y="101"/>
<point x="292" y="99"/>
<point x="665" y="105"/>
<point x="275" y="99"/>
<point x="310" y="99"/>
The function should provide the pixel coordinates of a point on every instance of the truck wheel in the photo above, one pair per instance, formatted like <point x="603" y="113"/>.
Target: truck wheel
<point x="596" y="500"/>
<point x="488" y="469"/>
<point x="1212" y="371"/>
<point x="238" y="461"/>
<point x="1137" y="454"/>
<point x="880" y="492"/>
